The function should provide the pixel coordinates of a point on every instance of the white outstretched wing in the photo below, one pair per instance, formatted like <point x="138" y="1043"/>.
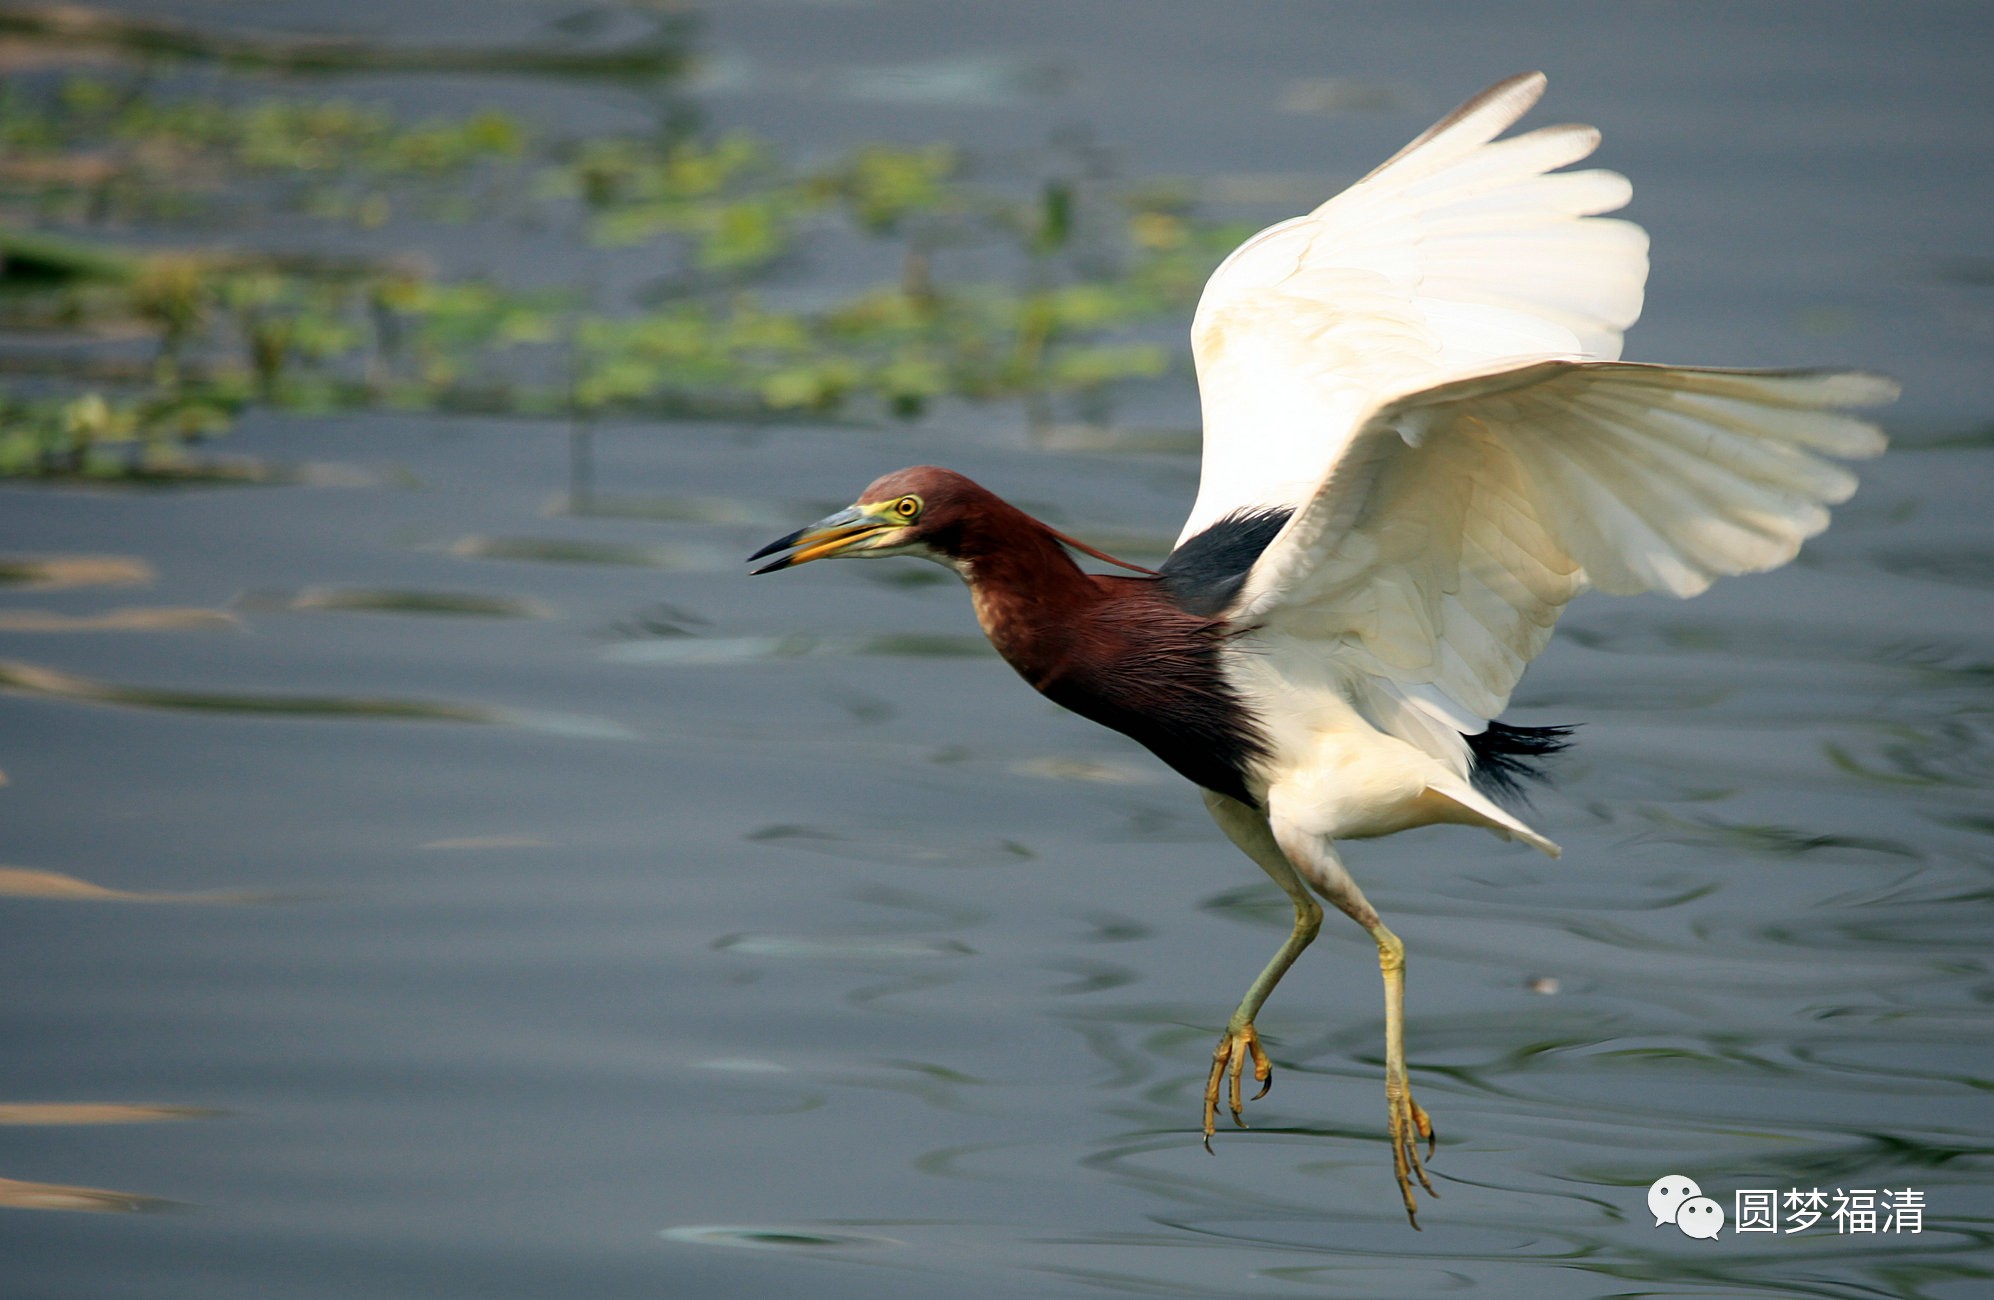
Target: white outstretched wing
<point x="1458" y="253"/>
<point x="1428" y="566"/>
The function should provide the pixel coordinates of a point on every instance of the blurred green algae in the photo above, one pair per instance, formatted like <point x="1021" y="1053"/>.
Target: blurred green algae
<point x="146" y="305"/>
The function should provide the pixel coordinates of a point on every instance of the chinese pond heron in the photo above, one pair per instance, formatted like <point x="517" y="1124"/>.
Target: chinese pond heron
<point x="1419" y="445"/>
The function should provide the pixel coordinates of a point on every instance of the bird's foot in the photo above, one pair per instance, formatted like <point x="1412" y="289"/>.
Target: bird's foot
<point x="1236" y="1045"/>
<point x="1407" y="1123"/>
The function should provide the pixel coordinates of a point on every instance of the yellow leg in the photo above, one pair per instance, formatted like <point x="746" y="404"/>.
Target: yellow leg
<point x="1240" y="1042"/>
<point x="1405" y="1120"/>
<point x="1291" y="856"/>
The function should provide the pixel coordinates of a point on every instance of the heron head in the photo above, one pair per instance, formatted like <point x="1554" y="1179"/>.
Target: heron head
<point x="917" y="511"/>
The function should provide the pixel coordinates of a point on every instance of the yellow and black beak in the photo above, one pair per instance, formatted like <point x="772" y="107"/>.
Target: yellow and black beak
<point x="853" y="528"/>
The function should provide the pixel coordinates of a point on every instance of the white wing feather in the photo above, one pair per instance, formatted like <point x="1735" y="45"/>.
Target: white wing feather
<point x="1425" y="371"/>
<point x="1434" y="558"/>
<point x="1455" y="254"/>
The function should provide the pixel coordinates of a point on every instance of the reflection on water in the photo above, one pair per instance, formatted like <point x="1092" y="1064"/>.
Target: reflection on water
<point x="1966" y="565"/>
<point x="839" y="947"/>
<point x="764" y="516"/>
<point x="117" y="620"/>
<point x="94" y="1112"/>
<point x="1952" y="752"/>
<point x="922" y="847"/>
<point x="569" y="550"/>
<point x="1065" y="767"/>
<point x="57" y="572"/>
<point x="744" y="1065"/>
<point x="27" y="882"/>
<point x="1715" y="832"/>
<point x="34" y="679"/>
<point x="471" y="842"/>
<point x="774" y="1238"/>
<point x="696" y="651"/>
<point x="449" y="604"/>
<point x="969" y="80"/>
<point x="17" y="1195"/>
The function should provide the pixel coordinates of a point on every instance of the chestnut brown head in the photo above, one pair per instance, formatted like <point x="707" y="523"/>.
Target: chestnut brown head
<point x="916" y="511"/>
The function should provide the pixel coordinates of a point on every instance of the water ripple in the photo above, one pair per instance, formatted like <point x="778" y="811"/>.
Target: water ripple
<point x="33" y="679"/>
<point x="60" y="572"/>
<point x="18" y="1195"/>
<point x="774" y="1237"/>
<point x="702" y="651"/>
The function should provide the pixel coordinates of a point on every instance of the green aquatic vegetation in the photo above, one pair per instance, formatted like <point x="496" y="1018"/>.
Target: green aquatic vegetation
<point x="35" y="259"/>
<point x="729" y="197"/>
<point x="1039" y="289"/>
<point x="100" y="34"/>
<point x="95" y="150"/>
<point x="90" y="436"/>
<point x="883" y="187"/>
<point x="735" y="200"/>
<point x="886" y="346"/>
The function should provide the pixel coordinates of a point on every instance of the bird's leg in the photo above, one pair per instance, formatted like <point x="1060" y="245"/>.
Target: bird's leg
<point x="1240" y="1039"/>
<point x="1247" y="827"/>
<point x="1290" y="855"/>
<point x="1405" y="1120"/>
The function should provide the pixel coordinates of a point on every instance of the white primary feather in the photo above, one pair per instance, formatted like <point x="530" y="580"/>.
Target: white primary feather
<point x="1425" y="371"/>
<point x="1457" y="253"/>
<point x="1435" y="556"/>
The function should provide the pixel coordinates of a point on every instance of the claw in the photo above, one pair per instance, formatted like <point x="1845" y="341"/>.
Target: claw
<point x="1229" y="1059"/>
<point x="1407" y="1123"/>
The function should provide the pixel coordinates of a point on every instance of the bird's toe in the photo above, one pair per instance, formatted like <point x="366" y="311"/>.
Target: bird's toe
<point x="1408" y="1123"/>
<point x="1236" y="1046"/>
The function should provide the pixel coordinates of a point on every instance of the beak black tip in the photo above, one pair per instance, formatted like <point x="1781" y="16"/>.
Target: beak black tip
<point x="783" y="563"/>
<point x="782" y="543"/>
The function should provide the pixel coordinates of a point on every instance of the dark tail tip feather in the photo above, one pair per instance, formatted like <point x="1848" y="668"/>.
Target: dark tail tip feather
<point x="1507" y="759"/>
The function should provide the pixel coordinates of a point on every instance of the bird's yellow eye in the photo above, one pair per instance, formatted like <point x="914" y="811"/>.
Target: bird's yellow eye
<point x="907" y="507"/>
